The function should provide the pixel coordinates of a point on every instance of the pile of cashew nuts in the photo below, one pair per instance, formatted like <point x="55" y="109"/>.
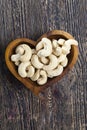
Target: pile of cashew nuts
<point x="47" y="60"/>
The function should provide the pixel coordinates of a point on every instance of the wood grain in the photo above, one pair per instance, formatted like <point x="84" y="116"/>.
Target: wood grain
<point x="66" y="104"/>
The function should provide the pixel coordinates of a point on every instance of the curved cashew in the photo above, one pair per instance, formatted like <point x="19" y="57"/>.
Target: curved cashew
<point x="52" y="64"/>
<point x="35" y="76"/>
<point x="65" y="62"/>
<point x="43" y="79"/>
<point x="54" y="43"/>
<point x="22" y="69"/>
<point x="44" y="60"/>
<point x="67" y="46"/>
<point x="66" y="49"/>
<point x="57" y="51"/>
<point x="39" y="45"/>
<point x="55" y="72"/>
<point x="17" y="63"/>
<point x="15" y="57"/>
<point x="27" y="53"/>
<point x="23" y="53"/>
<point x="71" y="42"/>
<point x="47" y="50"/>
<point x="31" y="71"/>
<point x="61" y="41"/>
<point x="35" y="62"/>
<point x="19" y="50"/>
<point x="61" y="58"/>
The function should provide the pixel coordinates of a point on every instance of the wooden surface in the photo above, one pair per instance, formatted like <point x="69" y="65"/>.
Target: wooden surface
<point x="66" y="104"/>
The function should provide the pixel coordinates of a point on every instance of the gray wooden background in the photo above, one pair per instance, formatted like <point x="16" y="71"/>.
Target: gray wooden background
<point x="66" y="104"/>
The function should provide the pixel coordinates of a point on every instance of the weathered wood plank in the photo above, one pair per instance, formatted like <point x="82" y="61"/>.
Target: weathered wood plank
<point x="66" y="106"/>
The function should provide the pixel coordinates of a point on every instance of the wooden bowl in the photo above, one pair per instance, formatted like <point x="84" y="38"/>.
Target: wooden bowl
<point x="33" y="86"/>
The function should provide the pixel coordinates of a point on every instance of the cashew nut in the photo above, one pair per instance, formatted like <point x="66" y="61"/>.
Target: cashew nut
<point x="22" y="69"/>
<point x="17" y="63"/>
<point x="61" y="41"/>
<point x="44" y="60"/>
<point x="47" y="50"/>
<point x="66" y="49"/>
<point x="39" y="45"/>
<point x="36" y="62"/>
<point x="31" y="71"/>
<point x="64" y="63"/>
<point x="19" y="50"/>
<point x="57" y="51"/>
<point x="35" y="76"/>
<point x="43" y="78"/>
<point x="67" y="45"/>
<point x="54" y="43"/>
<point x="55" y="72"/>
<point x="61" y="58"/>
<point x="52" y="64"/>
<point x="27" y="53"/>
<point x="15" y="57"/>
<point x="71" y="42"/>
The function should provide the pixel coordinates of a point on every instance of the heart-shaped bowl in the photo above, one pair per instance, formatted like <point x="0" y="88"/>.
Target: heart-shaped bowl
<point x="33" y="86"/>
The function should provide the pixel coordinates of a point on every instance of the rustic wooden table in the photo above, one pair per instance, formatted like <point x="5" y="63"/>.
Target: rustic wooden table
<point x="66" y="104"/>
